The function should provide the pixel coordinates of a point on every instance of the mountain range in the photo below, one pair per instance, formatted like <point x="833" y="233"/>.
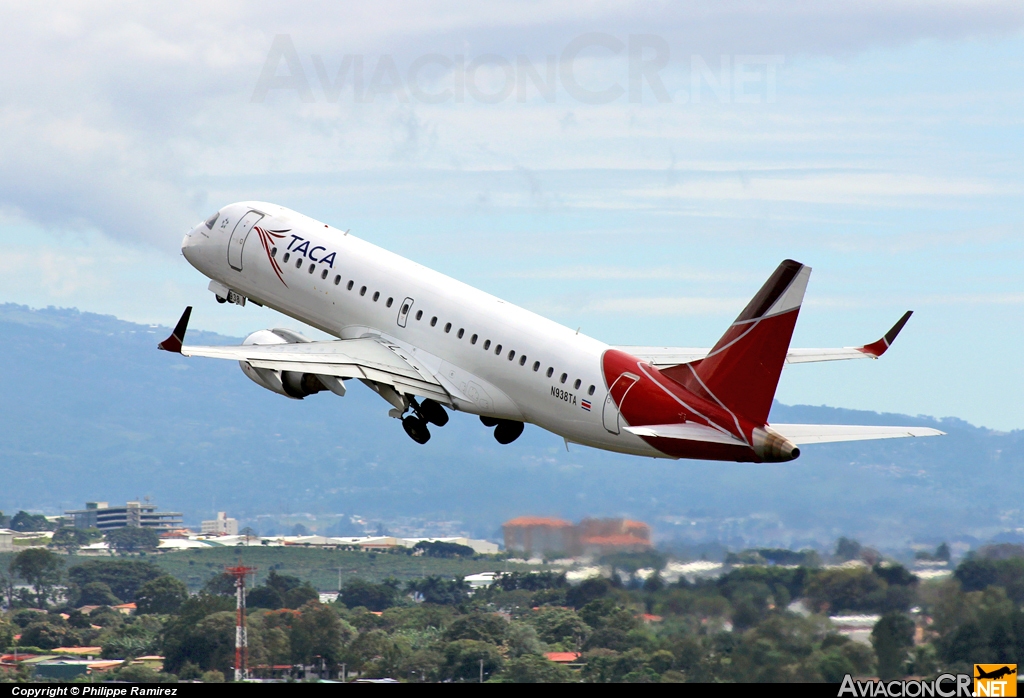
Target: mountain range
<point x="90" y="410"/>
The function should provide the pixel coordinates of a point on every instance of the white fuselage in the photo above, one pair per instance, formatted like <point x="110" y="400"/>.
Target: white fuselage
<point x="472" y="342"/>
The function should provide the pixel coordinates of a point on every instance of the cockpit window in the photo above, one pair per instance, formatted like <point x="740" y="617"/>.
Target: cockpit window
<point x="211" y="220"/>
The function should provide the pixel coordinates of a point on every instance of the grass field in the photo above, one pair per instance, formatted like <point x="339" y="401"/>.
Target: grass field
<point x="319" y="567"/>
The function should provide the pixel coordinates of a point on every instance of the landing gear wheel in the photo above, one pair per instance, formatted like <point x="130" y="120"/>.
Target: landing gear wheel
<point x="507" y="431"/>
<point x="433" y="412"/>
<point x="417" y="430"/>
<point x="489" y="421"/>
<point x="221" y="300"/>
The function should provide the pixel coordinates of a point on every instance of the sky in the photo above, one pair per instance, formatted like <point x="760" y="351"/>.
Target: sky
<point x="634" y="169"/>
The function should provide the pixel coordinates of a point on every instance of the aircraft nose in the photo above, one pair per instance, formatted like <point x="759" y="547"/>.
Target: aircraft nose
<point x="190" y="240"/>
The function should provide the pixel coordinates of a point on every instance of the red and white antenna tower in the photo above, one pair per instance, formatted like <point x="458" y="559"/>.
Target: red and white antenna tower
<point x="240" y="572"/>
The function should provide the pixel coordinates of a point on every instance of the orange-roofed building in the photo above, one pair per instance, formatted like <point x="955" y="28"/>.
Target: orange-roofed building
<point x="603" y="536"/>
<point x="535" y="535"/>
<point x="562" y="657"/>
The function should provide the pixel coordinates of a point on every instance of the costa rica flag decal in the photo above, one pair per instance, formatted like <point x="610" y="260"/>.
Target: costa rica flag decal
<point x="585" y="404"/>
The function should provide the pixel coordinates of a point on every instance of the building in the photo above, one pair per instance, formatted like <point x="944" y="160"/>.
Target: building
<point x="221" y="526"/>
<point x="6" y="540"/>
<point x="531" y="536"/>
<point x="105" y="517"/>
<point x="604" y="536"/>
<point x="535" y="535"/>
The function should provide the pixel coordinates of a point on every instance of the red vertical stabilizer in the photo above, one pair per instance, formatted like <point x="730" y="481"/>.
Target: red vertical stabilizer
<point x="742" y="371"/>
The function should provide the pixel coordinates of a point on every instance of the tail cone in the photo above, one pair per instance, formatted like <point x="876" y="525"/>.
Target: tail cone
<point x="774" y="448"/>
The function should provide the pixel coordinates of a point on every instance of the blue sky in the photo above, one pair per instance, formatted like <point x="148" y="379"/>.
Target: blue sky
<point x="886" y="153"/>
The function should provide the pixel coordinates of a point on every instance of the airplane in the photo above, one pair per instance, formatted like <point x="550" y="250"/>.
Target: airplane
<point x="427" y="344"/>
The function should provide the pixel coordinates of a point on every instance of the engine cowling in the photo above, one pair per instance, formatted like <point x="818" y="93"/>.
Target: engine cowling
<point x="291" y="384"/>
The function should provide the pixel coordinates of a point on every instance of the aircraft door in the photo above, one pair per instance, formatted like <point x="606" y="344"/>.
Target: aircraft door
<point x="619" y="388"/>
<point x="239" y="236"/>
<point x="404" y="310"/>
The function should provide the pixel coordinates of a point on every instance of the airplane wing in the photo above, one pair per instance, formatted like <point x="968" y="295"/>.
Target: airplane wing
<point x="663" y="357"/>
<point x="369" y="359"/>
<point x="831" y="433"/>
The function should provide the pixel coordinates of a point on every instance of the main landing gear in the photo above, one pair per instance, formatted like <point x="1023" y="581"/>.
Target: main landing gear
<point x="505" y="430"/>
<point x="426" y="412"/>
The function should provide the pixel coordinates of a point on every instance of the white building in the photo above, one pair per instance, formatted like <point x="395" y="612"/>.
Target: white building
<point x="6" y="540"/>
<point x="221" y="526"/>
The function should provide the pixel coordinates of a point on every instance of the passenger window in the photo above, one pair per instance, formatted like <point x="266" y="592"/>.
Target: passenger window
<point x="550" y="371"/>
<point x="433" y="321"/>
<point x="362" y="291"/>
<point x="376" y="295"/>
<point x="487" y="344"/>
<point x="536" y="366"/>
<point x="286" y="256"/>
<point x="351" y="283"/>
<point x="419" y="314"/>
<point x="462" y="331"/>
<point x="577" y="384"/>
<point x="472" y="340"/>
<point x="590" y="390"/>
<point x="447" y="328"/>
<point x="497" y="349"/>
<point x="563" y="377"/>
<point x="522" y="360"/>
<point x="337" y="279"/>
<point x="324" y="275"/>
<point x="405" y="309"/>
<point x="511" y="354"/>
<point x="312" y="268"/>
<point x="390" y="301"/>
<point x="298" y="263"/>
<point x="273" y="251"/>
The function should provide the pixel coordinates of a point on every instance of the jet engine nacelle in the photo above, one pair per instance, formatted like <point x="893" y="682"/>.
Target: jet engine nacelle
<point x="291" y="384"/>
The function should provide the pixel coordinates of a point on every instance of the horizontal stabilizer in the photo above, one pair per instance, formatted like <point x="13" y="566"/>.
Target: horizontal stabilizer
<point x="665" y="357"/>
<point x="830" y="433"/>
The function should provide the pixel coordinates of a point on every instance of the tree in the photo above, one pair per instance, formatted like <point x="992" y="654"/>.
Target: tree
<point x="41" y="569"/>
<point x="207" y="647"/>
<point x="161" y="595"/>
<point x="847" y="549"/>
<point x="892" y="636"/>
<point x="70" y="539"/>
<point x="462" y="660"/>
<point x="43" y="634"/>
<point x="25" y="522"/>
<point x="97" y="594"/>
<point x="133" y="639"/>
<point x="436" y="548"/>
<point x="440" y="590"/>
<point x="318" y="632"/>
<point x="559" y="625"/>
<point x="486" y="627"/>
<point x="133" y="539"/>
<point x="375" y="597"/>
<point x="534" y="669"/>
<point x="587" y="591"/>
<point x="124" y="577"/>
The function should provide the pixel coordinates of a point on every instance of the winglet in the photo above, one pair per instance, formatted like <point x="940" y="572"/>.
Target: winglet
<point x="174" y="342"/>
<point x="876" y="349"/>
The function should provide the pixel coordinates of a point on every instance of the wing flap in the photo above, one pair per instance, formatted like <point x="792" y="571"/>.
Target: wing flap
<point x="832" y="433"/>
<point x="686" y="431"/>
